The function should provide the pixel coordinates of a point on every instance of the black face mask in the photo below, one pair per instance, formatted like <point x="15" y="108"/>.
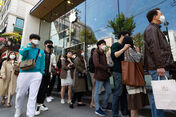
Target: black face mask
<point x="50" y="46"/>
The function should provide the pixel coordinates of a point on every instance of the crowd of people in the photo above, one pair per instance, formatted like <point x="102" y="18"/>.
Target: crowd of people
<point x="72" y="71"/>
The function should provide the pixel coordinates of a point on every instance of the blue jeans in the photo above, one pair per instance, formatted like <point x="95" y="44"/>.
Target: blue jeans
<point x="106" y="96"/>
<point x="118" y="88"/>
<point x="155" y="112"/>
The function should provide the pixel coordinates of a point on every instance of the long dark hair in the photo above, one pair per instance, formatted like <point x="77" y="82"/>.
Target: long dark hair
<point x="128" y="40"/>
<point x="92" y="51"/>
<point x="78" y="53"/>
<point x="67" y="57"/>
<point x="8" y="57"/>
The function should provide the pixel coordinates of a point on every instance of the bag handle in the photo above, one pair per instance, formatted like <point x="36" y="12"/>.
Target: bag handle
<point x="37" y="55"/>
<point x="127" y="53"/>
<point x="160" y="77"/>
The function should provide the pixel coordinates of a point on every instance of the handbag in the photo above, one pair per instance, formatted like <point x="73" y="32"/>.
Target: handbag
<point x="132" y="73"/>
<point x="28" y="64"/>
<point x="164" y="94"/>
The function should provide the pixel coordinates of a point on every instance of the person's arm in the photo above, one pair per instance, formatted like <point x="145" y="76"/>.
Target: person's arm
<point x="77" y="65"/>
<point x="96" y="61"/>
<point x="54" y="61"/>
<point x="120" y="52"/>
<point x="64" y="65"/>
<point x="152" y="41"/>
<point x="24" y="50"/>
<point x="136" y="56"/>
<point x="3" y="70"/>
<point x="43" y="63"/>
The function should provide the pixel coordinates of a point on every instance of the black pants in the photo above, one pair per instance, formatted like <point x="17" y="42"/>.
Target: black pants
<point x="124" y="102"/>
<point x="51" y="85"/>
<point x="59" y="83"/>
<point x="43" y="89"/>
<point x="77" y="97"/>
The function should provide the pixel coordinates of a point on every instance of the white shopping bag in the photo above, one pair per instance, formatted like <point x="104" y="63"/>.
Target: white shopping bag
<point x="164" y="92"/>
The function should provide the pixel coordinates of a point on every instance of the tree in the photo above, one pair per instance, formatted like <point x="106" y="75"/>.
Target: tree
<point x="90" y="36"/>
<point x="138" y="40"/>
<point x="126" y="24"/>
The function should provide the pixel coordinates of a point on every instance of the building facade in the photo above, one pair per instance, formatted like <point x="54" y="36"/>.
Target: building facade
<point x="12" y="15"/>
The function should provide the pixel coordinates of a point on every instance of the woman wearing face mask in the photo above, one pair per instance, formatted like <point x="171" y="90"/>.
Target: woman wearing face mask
<point x="9" y="78"/>
<point x="79" y="80"/>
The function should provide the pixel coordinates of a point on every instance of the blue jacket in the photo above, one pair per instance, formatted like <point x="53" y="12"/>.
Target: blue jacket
<point x="30" y="53"/>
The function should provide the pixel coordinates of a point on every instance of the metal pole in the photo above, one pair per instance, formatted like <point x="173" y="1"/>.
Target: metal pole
<point x="85" y="36"/>
<point x="119" y="13"/>
<point x="70" y="34"/>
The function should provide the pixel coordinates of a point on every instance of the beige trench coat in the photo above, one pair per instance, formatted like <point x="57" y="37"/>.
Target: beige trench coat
<point x="9" y="84"/>
<point x="79" y="84"/>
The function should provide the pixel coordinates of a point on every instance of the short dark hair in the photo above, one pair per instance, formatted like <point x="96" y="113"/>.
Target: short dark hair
<point x="123" y="33"/>
<point x="48" y="41"/>
<point x="34" y="36"/>
<point x="151" y="14"/>
<point x="100" y="42"/>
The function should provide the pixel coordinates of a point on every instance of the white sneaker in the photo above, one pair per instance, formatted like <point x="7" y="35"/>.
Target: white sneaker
<point x="37" y="112"/>
<point x="52" y="98"/>
<point x="69" y="101"/>
<point x="17" y="113"/>
<point x="62" y="101"/>
<point x="48" y="99"/>
<point x="43" y="107"/>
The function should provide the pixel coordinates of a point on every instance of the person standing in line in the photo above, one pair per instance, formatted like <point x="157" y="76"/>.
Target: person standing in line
<point x="59" y="66"/>
<point x="92" y="71"/>
<point x="137" y="96"/>
<point x="30" y="79"/>
<point x="117" y="55"/>
<point x="9" y="78"/>
<point x="101" y="75"/>
<point x="66" y="76"/>
<point x="79" y="80"/>
<point x="157" y="53"/>
<point x="50" y="61"/>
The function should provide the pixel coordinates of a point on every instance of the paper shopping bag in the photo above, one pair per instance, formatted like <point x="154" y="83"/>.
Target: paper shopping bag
<point x="164" y="92"/>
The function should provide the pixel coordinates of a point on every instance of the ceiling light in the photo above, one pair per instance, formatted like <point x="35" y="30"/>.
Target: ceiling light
<point x="68" y="1"/>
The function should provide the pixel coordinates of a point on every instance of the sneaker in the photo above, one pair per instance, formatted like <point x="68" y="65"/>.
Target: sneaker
<point x="100" y="112"/>
<point x="48" y="100"/>
<point x="17" y="113"/>
<point x="37" y="112"/>
<point x="52" y="98"/>
<point x="62" y="101"/>
<point x="69" y="101"/>
<point x="106" y="109"/>
<point x="43" y="107"/>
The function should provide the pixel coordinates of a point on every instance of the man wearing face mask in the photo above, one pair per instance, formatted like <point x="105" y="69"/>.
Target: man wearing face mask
<point x="101" y="75"/>
<point x="157" y="53"/>
<point x="30" y="79"/>
<point x="48" y="78"/>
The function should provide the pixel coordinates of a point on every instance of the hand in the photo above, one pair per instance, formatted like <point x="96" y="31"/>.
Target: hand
<point x="161" y="71"/>
<point x="126" y="46"/>
<point x="3" y="78"/>
<point x="137" y="49"/>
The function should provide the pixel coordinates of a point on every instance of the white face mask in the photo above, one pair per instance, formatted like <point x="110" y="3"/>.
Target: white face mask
<point x="162" y="19"/>
<point x="82" y="54"/>
<point x="35" y="42"/>
<point x="103" y="47"/>
<point x="12" y="56"/>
